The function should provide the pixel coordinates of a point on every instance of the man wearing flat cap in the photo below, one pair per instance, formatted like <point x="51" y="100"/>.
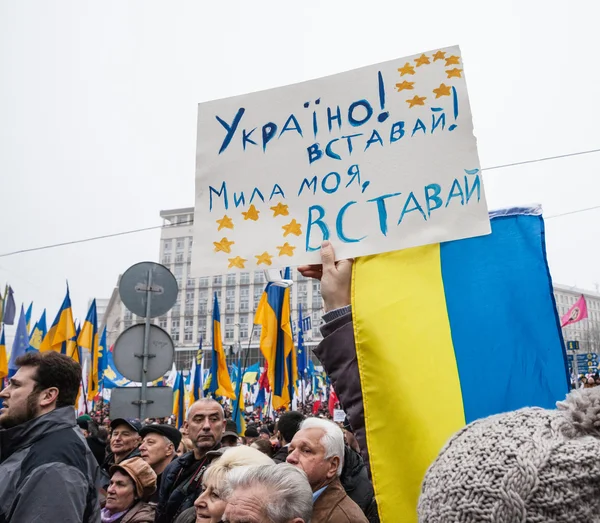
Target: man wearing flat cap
<point x="124" y="441"/>
<point x="158" y="449"/>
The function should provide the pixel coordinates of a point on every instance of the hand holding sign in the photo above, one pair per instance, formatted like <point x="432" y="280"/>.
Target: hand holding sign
<point x="374" y="160"/>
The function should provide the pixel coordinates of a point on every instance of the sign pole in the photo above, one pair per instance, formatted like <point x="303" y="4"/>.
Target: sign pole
<point x="144" y="389"/>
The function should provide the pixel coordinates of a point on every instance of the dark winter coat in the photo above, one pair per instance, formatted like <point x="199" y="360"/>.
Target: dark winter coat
<point x="337" y="353"/>
<point x="356" y="483"/>
<point x="47" y="472"/>
<point x="281" y="455"/>
<point x="181" y="484"/>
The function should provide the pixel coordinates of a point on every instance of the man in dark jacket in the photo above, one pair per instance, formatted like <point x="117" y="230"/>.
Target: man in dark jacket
<point x="158" y="449"/>
<point x="124" y="441"/>
<point x="287" y="426"/>
<point x="182" y="479"/>
<point x="47" y="471"/>
<point x="337" y="351"/>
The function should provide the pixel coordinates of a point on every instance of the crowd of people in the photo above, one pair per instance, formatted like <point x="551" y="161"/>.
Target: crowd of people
<point x="529" y="465"/>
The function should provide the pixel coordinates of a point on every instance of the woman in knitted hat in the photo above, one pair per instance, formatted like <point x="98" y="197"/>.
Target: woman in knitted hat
<point x="132" y="482"/>
<point x="528" y="465"/>
<point x="210" y="506"/>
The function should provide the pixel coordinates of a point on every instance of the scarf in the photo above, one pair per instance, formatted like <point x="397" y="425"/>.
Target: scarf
<point x="108" y="517"/>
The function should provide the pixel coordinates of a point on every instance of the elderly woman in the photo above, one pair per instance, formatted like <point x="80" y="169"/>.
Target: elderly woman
<point x="210" y="506"/>
<point x="132" y="482"/>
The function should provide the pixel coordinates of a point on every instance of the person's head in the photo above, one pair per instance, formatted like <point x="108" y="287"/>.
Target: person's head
<point x="43" y="382"/>
<point x="159" y="444"/>
<point x="264" y="433"/>
<point x="264" y="445"/>
<point x="131" y="480"/>
<point x="205" y="425"/>
<point x="186" y="445"/>
<point x="287" y="426"/>
<point x="230" y="436"/>
<point x="271" y="493"/>
<point x="528" y="465"/>
<point x="124" y="437"/>
<point x="251" y="435"/>
<point x="318" y="449"/>
<point x="210" y="505"/>
<point x="83" y="422"/>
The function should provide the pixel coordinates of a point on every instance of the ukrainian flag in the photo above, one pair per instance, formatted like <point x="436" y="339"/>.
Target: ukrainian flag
<point x="238" y="406"/>
<point x="449" y="333"/>
<point x="196" y="373"/>
<point x="102" y="355"/>
<point x="38" y="333"/>
<point x="3" y="358"/>
<point x="88" y="339"/>
<point x="62" y="329"/>
<point x="28" y="317"/>
<point x="277" y="343"/>
<point x="220" y="384"/>
<point x="179" y="399"/>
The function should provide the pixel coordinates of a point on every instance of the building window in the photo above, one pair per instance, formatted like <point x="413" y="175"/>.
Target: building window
<point x="167" y="245"/>
<point x="259" y="277"/>
<point x="166" y="259"/>
<point x="229" y="327"/>
<point x="244" y="326"/>
<point x="257" y="295"/>
<point x="302" y="293"/>
<point x="162" y="322"/>
<point x="127" y="315"/>
<point x="178" y="271"/>
<point x="230" y="300"/>
<point x="203" y="282"/>
<point x="218" y="293"/>
<point x="191" y="283"/>
<point x="201" y="328"/>
<point x="202" y="301"/>
<point x="180" y="242"/>
<point x="244" y="278"/>
<point x="217" y="280"/>
<point x="179" y="258"/>
<point x="231" y="279"/>
<point x="190" y="243"/>
<point x="244" y="302"/>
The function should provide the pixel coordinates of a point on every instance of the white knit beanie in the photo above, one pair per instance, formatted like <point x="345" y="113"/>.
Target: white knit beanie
<point x="528" y="466"/>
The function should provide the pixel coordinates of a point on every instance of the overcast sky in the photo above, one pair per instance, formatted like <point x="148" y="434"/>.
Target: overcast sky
<point x="98" y="105"/>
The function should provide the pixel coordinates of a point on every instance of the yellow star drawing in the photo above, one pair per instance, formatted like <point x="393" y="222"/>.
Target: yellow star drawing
<point x="292" y="228"/>
<point x="238" y="262"/>
<point x="265" y="258"/>
<point x="407" y="69"/>
<point x="286" y="249"/>
<point x="454" y="73"/>
<point x="225" y="223"/>
<point x="452" y="60"/>
<point x="405" y="85"/>
<point x="251" y="213"/>
<point x="417" y="100"/>
<point x="422" y="60"/>
<point x="440" y="55"/>
<point x="224" y="245"/>
<point x="280" y="210"/>
<point x="442" y="90"/>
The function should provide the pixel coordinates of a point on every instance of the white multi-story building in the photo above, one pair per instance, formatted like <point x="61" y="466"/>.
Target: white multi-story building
<point x="238" y="294"/>
<point x="190" y="319"/>
<point x="586" y="332"/>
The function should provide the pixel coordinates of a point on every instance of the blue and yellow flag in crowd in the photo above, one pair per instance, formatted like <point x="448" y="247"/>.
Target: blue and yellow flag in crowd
<point x="196" y="373"/>
<point x="88" y="339"/>
<point x="277" y="343"/>
<point x="238" y="406"/>
<point x="20" y="344"/>
<point x="102" y="355"/>
<point x="28" y="318"/>
<point x="179" y="400"/>
<point x="62" y="332"/>
<point x="3" y="357"/>
<point x="446" y="334"/>
<point x="38" y="333"/>
<point x="10" y="307"/>
<point x="220" y="384"/>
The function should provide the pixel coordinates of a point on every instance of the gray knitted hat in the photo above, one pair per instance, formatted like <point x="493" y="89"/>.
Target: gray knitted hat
<point x="528" y="466"/>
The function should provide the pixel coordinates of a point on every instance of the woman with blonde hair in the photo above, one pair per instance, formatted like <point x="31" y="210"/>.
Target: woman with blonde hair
<point x="210" y="506"/>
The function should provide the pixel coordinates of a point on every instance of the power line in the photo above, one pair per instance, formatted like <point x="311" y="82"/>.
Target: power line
<point x="541" y="159"/>
<point x="189" y="222"/>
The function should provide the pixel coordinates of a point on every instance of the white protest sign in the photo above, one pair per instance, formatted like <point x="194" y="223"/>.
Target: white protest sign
<point x="376" y="159"/>
<point x="339" y="415"/>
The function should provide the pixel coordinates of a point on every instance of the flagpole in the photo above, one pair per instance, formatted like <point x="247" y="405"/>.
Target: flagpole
<point x="241" y="374"/>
